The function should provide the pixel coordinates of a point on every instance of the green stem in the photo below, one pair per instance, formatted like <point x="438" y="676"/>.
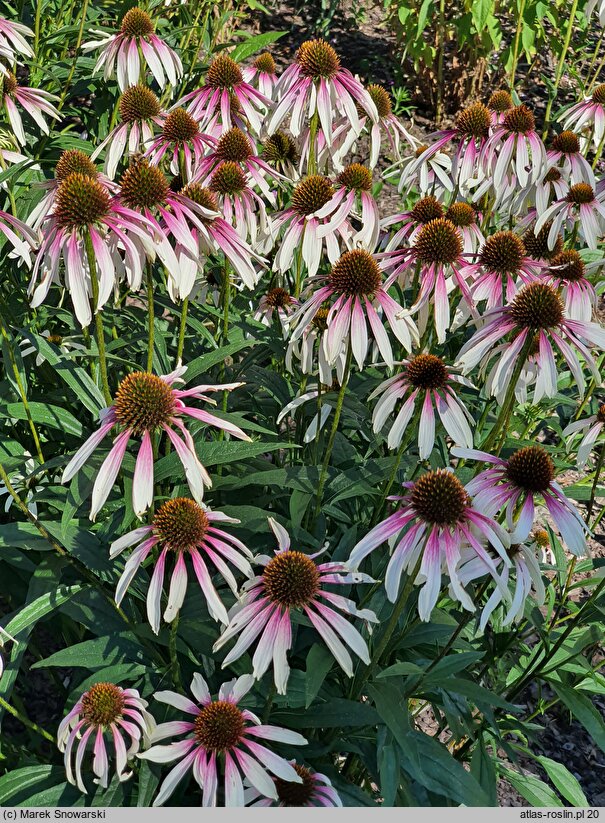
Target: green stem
<point x="312" y="162"/>
<point x="336" y="420"/>
<point x="517" y="41"/>
<point x="440" y="44"/>
<point x="76" y="50"/>
<point x="94" y="281"/>
<point x="598" y="152"/>
<point x="151" y="317"/>
<point x="174" y="660"/>
<point x="26" y="721"/>
<point x="560" y="66"/>
<point x="595" y="483"/>
<point x="269" y="703"/>
<point x="182" y="329"/>
<point x="591" y="387"/>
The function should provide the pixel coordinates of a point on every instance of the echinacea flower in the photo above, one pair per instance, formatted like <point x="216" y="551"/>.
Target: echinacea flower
<point x="435" y="520"/>
<point x="513" y="485"/>
<point x="514" y="149"/>
<point x="5" y="637"/>
<point x="352" y="197"/>
<point x="431" y="176"/>
<point x="214" y="101"/>
<point x="591" y="427"/>
<point x="410" y="222"/>
<point x="315" y="790"/>
<point x="144" y="406"/>
<point x="312" y="394"/>
<point x="567" y="273"/>
<point x="181" y="135"/>
<point x="425" y="383"/>
<point x="22" y="237"/>
<point x="581" y="205"/>
<point x="276" y="303"/>
<point x="551" y="185"/>
<point x="105" y="710"/>
<point x="179" y="529"/>
<point x="120" y="54"/>
<point x="524" y="576"/>
<point x="310" y="349"/>
<point x="536" y="243"/>
<point x="535" y="321"/>
<point x="65" y="343"/>
<point x="358" y="297"/>
<point x="281" y="152"/>
<point x="36" y="102"/>
<point x="292" y="580"/>
<point x="316" y="82"/>
<point x="139" y="110"/>
<point x="565" y="153"/>
<point x="262" y="73"/>
<point x="466" y="218"/>
<point x="500" y="103"/>
<point x="589" y="112"/>
<point x="13" y="42"/>
<point x="221" y="737"/>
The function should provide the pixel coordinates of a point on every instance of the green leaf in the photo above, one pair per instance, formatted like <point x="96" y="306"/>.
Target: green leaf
<point x="336" y="713"/>
<point x="216" y="453"/>
<point x="46" y="415"/>
<point x="564" y="781"/>
<point x="254" y="44"/>
<point x="40" y="607"/>
<point x="98" y="653"/>
<point x="15" y="785"/>
<point x="476" y="693"/>
<point x="319" y="663"/>
<point x="422" y="15"/>
<point x="534" y="790"/>
<point x="584" y="712"/>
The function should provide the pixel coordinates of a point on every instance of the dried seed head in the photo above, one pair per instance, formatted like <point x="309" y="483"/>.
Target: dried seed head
<point x="224" y="73"/>
<point x="219" y="726"/>
<point x="427" y="371"/>
<point x="426" y="209"/>
<point x="279" y="149"/>
<point x="311" y="194"/>
<point x="291" y="579"/>
<point x="461" y="215"/>
<point x="439" y="497"/>
<point x="317" y="58"/>
<point x="296" y="794"/>
<point x="74" y="161"/>
<point x="234" y="145"/>
<point x="180" y="126"/>
<point x="520" y="120"/>
<point x="138" y="103"/>
<point x="356" y="177"/>
<point x="503" y="253"/>
<point x="474" y="121"/>
<point x="356" y="273"/>
<point x="180" y="524"/>
<point x="143" y="186"/>
<point x="536" y="245"/>
<point x="143" y="402"/>
<point x="265" y="63"/>
<point x="500" y="101"/>
<point x="438" y="242"/>
<point x="227" y="179"/>
<point x="566" y="142"/>
<point x="137" y="23"/>
<point x="381" y="99"/>
<point x="579" y="194"/>
<point x="278" y="298"/>
<point x="102" y="704"/>
<point x="537" y="306"/>
<point x="81" y="201"/>
<point x="568" y="265"/>
<point x="531" y="469"/>
<point x="598" y="95"/>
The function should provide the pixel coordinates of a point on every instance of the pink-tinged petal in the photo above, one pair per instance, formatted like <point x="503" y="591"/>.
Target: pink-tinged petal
<point x="122" y="543"/>
<point x="379" y="534"/>
<point x="215" y="604"/>
<point x="256" y="775"/>
<point x="174" y="777"/>
<point x="131" y="567"/>
<point x="195" y="473"/>
<point x="142" y="484"/>
<point x="359" y="334"/>
<point x="179" y="701"/>
<point x="154" y="594"/>
<point x="426" y="429"/>
<point x="234" y="789"/>
<point x="332" y="641"/>
<point x="248" y="635"/>
<point x="84" y="452"/>
<point x="120" y="747"/>
<point x="283" y="538"/>
<point x="218" y="422"/>
<point x="80" y="757"/>
<point x="276" y="764"/>
<point x="199" y="689"/>
<point x="264" y="651"/>
<point x="283" y="642"/>
<point x="108" y="473"/>
<point x="178" y="589"/>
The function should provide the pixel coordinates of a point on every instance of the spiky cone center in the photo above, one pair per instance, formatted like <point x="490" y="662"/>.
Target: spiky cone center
<point x="311" y="194"/>
<point x="537" y="306"/>
<point x="144" y="186"/>
<point x="381" y="99"/>
<point x="296" y="794"/>
<point x="279" y="148"/>
<point x="219" y="726"/>
<point x="234" y="145"/>
<point x="291" y="579"/>
<point x="180" y="127"/>
<point x="320" y="320"/>
<point x="503" y="253"/>
<point x="553" y="175"/>
<point x="224" y="73"/>
<point x="180" y="524"/>
<point x="316" y="58"/>
<point x="200" y="195"/>
<point x="10" y="84"/>
<point x="278" y="298"/>
<point x="427" y="209"/>
<point x="580" y="193"/>
<point x="228" y="178"/>
<point x="566" y="142"/>
<point x="500" y="101"/>
<point x="601" y="413"/>
<point x="137" y="23"/>
<point x="265" y="63"/>
<point x="138" y="103"/>
<point x="541" y="538"/>
<point x="143" y="402"/>
<point x="461" y="215"/>
<point x="81" y="201"/>
<point x="438" y="242"/>
<point x="531" y="469"/>
<point x="427" y="371"/>
<point x="520" y="120"/>
<point x="74" y="161"/>
<point x="440" y="498"/>
<point x="356" y="177"/>
<point x="598" y="95"/>
<point x="536" y="245"/>
<point x="356" y="273"/>
<point x="102" y="704"/>
<point x="568" y="265"/>
<point x="474" y="121"/>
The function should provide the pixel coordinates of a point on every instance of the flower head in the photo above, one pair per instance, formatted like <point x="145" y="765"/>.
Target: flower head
<point x="292" y="580"/>
<point x="315" y="789"/>
<point x="262" y="74"/>
<point x="589" y="112"/>
<point x="567" y="273"/>
<point x="580" y="205"/>
<point x="221" y="737"/>
<point x="105" y="711"/>
<point x="36" y="102"/>
<point x="591" y="428"/>
<point x="145" y="405"/>
<point x="13" y="42"/>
